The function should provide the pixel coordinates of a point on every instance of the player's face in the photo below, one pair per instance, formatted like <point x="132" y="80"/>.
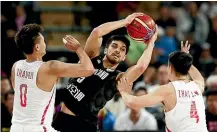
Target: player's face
<point x="116" y="52"/>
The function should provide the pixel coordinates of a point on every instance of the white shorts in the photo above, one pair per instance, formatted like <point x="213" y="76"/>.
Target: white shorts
<point x="31" y="128"/>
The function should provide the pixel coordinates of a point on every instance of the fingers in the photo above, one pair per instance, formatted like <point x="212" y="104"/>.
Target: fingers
<point x="156" y="26"/>
<point x="181" y="43"/>
<point x="134" y="15"/>
<point x="186" y="44"/>
<point x="71" y="39"/>
<point x="138" y="14"/>
<point x="68" y="38"/>
<point x="189" y="47"/>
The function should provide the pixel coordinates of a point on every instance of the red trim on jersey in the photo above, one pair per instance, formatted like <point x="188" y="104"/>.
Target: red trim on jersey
<point x="168" y="130"/>
<point x="45" y="110"/>
<point x="45" y="129"/>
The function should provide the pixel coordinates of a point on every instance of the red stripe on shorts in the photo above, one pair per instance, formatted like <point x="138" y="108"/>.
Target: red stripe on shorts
<point x="45" y="129"/>
<point x="168" y="130"/>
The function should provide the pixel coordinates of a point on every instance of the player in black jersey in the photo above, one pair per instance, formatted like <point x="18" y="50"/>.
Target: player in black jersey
<point x="85" y="96"/>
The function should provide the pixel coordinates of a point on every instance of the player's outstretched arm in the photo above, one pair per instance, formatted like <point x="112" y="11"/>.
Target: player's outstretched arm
<point x="193" y="72"/>
<point x="137" y="70"/>
<point x="150" y="99"/>
<point x="82" y="69"/>
<point x="94" y="41"/>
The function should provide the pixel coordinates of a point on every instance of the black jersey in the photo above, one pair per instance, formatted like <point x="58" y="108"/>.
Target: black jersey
<point x="85" y="96"/>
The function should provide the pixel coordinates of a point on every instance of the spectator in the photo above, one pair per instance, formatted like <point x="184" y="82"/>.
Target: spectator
<point x="135" y="51"/>
<point x="162" y="77"/>
<point x="136" y="119"/>
<point x="165" y="19"/>
<point x="20" y="17"/>
<point x="6" y="111"/>
<point x="5" y="87"/>
<point x="192" y="21"/>
<point x="106" y="120"/>
<point x="212" y="37"/>
<point x="209" y="8"/>
<point x="211" y="110"/>
<point x="195" y="49"/>
<point x="3" y="74"/>
<point x="211" y="82"/>
<point x="166" y="44"/>
<point x="206" y="61"/>
<point x="116" y="106"/>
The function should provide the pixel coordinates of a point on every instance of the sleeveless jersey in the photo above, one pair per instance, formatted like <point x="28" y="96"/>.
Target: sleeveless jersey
<point x="85" y="96"/>
<point x="188" y="115"/>
<point x="32" y="105"/>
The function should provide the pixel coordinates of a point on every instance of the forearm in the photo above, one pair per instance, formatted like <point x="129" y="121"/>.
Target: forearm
<point x="109" y="26"/>
<point x="137" y="70"/>
<point x="195" y="74"/>
<point x="145" y="59"/>
<point x="84" y="59"/>
<point x="133" y="101"/>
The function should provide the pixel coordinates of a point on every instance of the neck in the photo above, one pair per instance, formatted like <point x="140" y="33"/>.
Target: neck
<point x="32" y="58"/>
<point x="134" y="116"/>
<point x="109" y="65"/>
<point x="181" y="77"/>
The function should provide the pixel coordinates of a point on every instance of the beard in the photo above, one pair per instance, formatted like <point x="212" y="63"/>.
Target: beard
<point x="111" y="60"/>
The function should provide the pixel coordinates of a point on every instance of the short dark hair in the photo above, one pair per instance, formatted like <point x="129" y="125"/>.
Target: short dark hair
<point x="121" y="38"/>
<point x="210" y="92"/>
<point x="26" y="37"/>
<point x="181" y="62"/>
<point x="140" y="88"/>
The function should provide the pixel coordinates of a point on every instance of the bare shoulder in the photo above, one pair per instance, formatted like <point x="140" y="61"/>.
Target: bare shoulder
<point x="166" y="89"/>
<point x="49" y="65"/>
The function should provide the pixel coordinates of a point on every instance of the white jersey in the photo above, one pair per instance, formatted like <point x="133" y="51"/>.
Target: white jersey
<point x="188" y="115"/>
<point x="33" y="108"/>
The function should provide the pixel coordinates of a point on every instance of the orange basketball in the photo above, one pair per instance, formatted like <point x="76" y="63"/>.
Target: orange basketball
<point x="142" y="28"/>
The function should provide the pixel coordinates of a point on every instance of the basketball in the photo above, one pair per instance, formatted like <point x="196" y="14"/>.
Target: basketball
<point x="142" y="28"/>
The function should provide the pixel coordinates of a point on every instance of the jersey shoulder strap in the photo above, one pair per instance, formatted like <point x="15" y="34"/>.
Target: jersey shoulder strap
<point x="97" y="61"/>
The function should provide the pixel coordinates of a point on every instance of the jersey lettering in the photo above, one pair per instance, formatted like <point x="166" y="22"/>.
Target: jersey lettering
<point x="75" y="92"/>
<point x="100" y="73"/>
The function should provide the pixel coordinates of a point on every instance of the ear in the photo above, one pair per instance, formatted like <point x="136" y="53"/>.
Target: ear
<point x="105" y="51"/>
<point x="171" y="68"/>
<point x="37" y="47"/>
<point x="124" y="57"/>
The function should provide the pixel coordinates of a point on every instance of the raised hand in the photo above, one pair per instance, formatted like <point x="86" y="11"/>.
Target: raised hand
<point x="123" y="85"/>
<point x="153" y="37"/>
<point x="131" y="17"/>
<point x="71" y="43"/>
<point x="185" y="47"/>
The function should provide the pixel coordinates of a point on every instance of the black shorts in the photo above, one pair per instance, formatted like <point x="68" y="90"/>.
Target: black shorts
<point x="68" y="123"/>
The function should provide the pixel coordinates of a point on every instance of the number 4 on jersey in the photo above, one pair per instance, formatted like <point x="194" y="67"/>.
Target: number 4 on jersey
<point x="193" y="112"/>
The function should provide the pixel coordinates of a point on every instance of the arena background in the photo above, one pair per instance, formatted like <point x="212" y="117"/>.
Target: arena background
<point x="192" y="21"/>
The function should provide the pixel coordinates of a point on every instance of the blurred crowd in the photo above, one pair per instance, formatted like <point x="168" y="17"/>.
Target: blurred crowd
<point x="177" y="21"/>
